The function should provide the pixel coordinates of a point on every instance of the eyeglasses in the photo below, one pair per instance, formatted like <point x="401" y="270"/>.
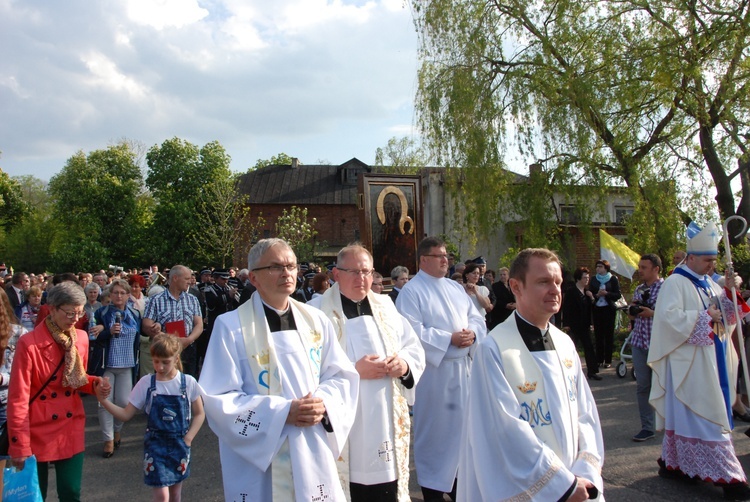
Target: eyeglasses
<point x="278" y="269"/>
<point x="355" y="272"/>
<point x="73" y="315"/>
<point x="438" y="256"/>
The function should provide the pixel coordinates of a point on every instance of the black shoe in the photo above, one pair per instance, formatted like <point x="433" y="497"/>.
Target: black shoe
<point x="594" y="376"/>
<point x="606" y="365"/>
<point x="644" y="435"/>
<point x="736" y="491"/>
<point x="745" y="417"/>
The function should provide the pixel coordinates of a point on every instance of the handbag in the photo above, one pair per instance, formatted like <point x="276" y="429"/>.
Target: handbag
<point x="22" y="485"/>
<point x="4" y="439"/>
<point x="621" y="303"/>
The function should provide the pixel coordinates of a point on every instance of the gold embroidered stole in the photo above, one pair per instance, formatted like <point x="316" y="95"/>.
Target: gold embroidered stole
<point x="263" y="362"/>
<point x="383" y="311"/>
<point x="527" y="381"/>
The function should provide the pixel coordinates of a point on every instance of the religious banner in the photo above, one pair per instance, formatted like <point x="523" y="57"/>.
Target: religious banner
<point x="390" y="219"/>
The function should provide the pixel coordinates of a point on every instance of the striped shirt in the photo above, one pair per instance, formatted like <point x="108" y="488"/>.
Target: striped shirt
<point x="164" y="308"/>
<point x="641" y="335"/>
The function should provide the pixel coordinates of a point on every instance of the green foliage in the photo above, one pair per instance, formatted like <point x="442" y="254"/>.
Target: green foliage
<point x="281" y="159"/>
<point x="401" y="156"/>
<point x="224" y="223"/>
<point x="639" y="95"/>
<point x="13" y="207"/>
<point x="741" y="262"/>
<point x="29" y="245"/>
<point x="80" y="254"/>
<point x="179" y="173"/>
<point x="300" y="233"/>
<point x="94" y="198"/>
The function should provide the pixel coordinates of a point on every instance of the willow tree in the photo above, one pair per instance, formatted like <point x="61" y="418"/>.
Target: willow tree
<point x="594" y="93"/>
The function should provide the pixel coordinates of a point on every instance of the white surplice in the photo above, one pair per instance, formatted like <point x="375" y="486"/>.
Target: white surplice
<point x="251" y="424"/>
<point x="379" y="441"/>
<point x="502" y="457"/>
<point x="436" y="308"/>
<point x="685" y="391"/>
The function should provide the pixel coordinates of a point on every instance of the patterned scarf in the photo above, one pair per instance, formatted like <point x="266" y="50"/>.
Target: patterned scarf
<point x="74" y="375"/>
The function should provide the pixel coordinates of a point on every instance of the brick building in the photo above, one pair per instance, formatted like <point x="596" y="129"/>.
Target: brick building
<point x="329" y="192"/>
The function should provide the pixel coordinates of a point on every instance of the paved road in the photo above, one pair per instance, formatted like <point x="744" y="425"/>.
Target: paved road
<point x="629" y="469"/>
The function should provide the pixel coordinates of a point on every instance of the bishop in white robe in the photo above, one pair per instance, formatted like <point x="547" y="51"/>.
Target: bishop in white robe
<point x="449" y="326"/>
<point x="263" y="360"/>
<point x="695" y="367"/>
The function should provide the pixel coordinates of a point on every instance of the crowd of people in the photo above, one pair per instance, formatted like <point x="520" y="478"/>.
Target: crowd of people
<point x="311" y="377"/>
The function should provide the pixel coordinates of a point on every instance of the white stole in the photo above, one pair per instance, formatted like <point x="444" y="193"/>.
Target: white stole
<point x="527" y="381"/>
<point x="380" y="304"/>
<point x="264" y="363"/>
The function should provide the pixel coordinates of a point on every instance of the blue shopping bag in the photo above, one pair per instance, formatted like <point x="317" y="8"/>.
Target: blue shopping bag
<point x="22" y="486"/>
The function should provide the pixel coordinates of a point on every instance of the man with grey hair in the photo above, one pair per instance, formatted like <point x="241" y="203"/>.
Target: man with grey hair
<point x="176" y="312"/>
<point x="399" y="278"/>
<point x="280" y="392"/>
<point x="389" y="358"/>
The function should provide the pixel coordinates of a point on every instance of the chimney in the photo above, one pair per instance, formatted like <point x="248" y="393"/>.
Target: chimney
<point x="295" y="162"/>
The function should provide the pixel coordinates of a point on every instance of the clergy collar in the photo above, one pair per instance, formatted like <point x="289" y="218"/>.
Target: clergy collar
<point x="687" y="269"/>
<point x="278" y="312"/>
<point x="355" y="309"/>
<point x="535" y="339"/>
<point x="279" y="320"/>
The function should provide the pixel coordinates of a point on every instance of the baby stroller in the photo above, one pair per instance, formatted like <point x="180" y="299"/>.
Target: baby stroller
<point x="622" y="366"/>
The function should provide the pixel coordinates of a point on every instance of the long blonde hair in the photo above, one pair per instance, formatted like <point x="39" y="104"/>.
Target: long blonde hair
<point x="7" y="319"/>
<point x="164" y="345"/>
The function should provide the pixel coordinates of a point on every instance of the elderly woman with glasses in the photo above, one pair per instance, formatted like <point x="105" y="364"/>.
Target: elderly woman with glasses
<point x="45" y="413"/>
<point x="118" y="340"/>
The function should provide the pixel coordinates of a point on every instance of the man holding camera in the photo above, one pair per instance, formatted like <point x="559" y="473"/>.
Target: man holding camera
<point x="642" y="312"/>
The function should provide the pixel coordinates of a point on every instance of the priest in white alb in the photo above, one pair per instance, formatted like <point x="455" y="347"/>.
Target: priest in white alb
<point x="694" y="372"/>
<point x="280" y="393"/>
<point x="533" y="432"/>
<point x="449" y="326"/>
<point x="390" y="360"/>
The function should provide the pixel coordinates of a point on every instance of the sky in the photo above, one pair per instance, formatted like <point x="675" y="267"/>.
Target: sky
<point x="320" y="80"/>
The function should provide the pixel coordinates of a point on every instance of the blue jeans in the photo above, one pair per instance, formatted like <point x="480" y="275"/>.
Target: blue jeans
<point x="643" y="387"/>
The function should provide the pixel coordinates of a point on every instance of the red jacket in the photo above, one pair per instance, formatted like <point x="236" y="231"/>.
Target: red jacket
<point x="53" y="427"/>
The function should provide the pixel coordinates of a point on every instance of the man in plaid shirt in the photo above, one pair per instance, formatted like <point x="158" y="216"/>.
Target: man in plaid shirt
<point x="174" y="304"/>
<point x="644" y="300"/>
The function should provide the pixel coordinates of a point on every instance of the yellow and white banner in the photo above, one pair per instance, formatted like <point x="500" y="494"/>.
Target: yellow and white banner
<point x="622" y="259"/>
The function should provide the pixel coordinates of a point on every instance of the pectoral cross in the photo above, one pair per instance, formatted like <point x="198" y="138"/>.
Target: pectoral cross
<point x="247" y="423"/>
<point x="323" y="495"/>
<point x="385" y="451"/>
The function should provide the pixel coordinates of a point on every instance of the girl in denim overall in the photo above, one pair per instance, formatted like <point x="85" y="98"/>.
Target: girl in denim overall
<point x="175" y="415"/>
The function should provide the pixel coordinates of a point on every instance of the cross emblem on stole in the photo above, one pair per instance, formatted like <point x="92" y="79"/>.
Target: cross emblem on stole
<point x="247" y="423"/>
<point x="385" y="452"/>
<point x="323" y="495"/>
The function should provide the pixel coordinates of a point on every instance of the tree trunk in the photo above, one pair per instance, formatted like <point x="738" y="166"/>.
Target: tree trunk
<point x="724" y="196"/>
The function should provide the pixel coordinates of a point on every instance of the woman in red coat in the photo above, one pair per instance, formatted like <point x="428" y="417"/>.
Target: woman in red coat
<point x="52" y="427"/>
